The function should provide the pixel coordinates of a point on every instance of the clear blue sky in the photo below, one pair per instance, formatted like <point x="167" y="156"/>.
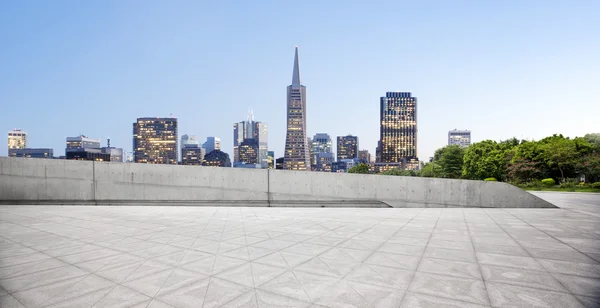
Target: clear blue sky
<point x="499" y="68"/>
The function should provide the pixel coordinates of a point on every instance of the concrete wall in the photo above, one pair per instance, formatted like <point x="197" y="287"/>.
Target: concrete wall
<point x="25" y="180"/>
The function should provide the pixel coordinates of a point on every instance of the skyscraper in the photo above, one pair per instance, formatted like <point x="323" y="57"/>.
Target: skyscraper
<point x="216" y="158"/>
<point x="364" y="156"/>
<point x="191" y="151"/>
<point x="296" y="156"/>
<point x="321" y="143"/>
<point x="84" y="148"/>
<point x="398" y="129"/>
<point x="155" y="140"/>
<point x="347" y="147"/>
<point x="211" y="144"/>
<point x="460" y="137"/>
<point x="251" y="129"/>
<point x="17" y="139"/>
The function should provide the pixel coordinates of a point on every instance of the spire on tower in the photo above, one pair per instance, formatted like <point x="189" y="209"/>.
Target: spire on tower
<point x="296" y="76"/>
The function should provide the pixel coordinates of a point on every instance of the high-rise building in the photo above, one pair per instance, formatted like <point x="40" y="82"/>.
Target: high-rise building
<point x="155" y="141"/>
<point x="321" y="143"/>
<point x="217" y="158"/>
<point x="398" y="128"/>
<point x="324" y="161"/>
<point x="211" y="144"/>
<point x="271" y="159"/>
<point x="84" y="148"/>
<point x="248" y="151"/>
<point x="296" y="156"/>
<point x="347" y="147"/>
<point x="460" y="137"/>
<point x="251" y="129"/>
<point x="31" y="153"/>
<point x="279" y="163"/>
<point x="17" y="139"/>
<point x="191" y="151"/>
<point x="116" y="154"/>
<point x="364" y="156"/>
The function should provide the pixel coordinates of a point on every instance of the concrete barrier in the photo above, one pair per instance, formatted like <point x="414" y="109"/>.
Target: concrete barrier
<point x="44" y="181"/>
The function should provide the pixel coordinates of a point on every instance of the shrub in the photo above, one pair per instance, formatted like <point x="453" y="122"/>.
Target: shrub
<point x="568" y="184"/>
<point x="491" y="180"/>
<point x="549" y="182"/>
<point x="595" y="185"/>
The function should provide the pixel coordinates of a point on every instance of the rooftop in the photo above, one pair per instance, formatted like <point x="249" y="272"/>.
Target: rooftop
<point x="176" y="256"/>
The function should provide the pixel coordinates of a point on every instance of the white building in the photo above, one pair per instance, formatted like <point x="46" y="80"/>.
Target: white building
<point x="17" y="139"/>
<point x="460" y="137"/>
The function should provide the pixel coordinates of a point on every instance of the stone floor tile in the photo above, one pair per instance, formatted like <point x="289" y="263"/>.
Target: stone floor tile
<point x="526" y="263"/>
<point x="418" y="300"/>
<point x="381" y="276"/>
<point x="83" y="300"/>
<point x="571" y="268"/>
<point x="288" y="285"/>
<point x="221" y="291"/>
<point x="378" y="296"/>
<point x="8" y="301"/>
<point x="462" y="289"/>
<point x="402" y="249"/>
<point x="504" y="295"/>
<point x="580" y="285"/>
<point x="456" y="245"/>
<point x="500" y="249"/>
<point x="42" y="278"/>
<point x="121" y="297"/>
<point x="520" y="277"/>
<point x="158" y="304"/>
<point x="450" y="254"/>
<point x="184" y="292"/>
<point x="266" y="299"/>
<point x="393" y="260"/>
<point x="589" y="302"/>
<point x="34" y="297"/>
<point x="89" y="284"/>
<point x="450" y="268"/>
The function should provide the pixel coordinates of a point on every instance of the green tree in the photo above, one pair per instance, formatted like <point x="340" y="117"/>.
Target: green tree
<point x="360" y="168"/>
<point x="593" y="138"/>
<point x="400" y="172"/>
<point x="589" y="165"/>
<point x="431" y="170"/>
<point x="451" y="161"/>
<point x="487" y="159"/>
<point x="560" y="153"/>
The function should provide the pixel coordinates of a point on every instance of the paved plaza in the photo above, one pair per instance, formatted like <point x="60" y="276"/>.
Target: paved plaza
<point x="176" y="256"/>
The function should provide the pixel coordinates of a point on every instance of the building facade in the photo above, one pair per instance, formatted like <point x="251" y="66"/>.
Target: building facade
<point x="211" y="144"/>
<point x="347" y="147"/>
<point x="191" y="151"/>
<point x="296" y="155"/>
<point x="271" y="159"/>
<point x="217" y="158"/>
<point x="459" y="137"/>
<point x="248" y="152"/>
<point x="398" y="128"/>
<point x="31" y="153"/>
<point x="364" y="156"/>
<point x="155" y="141"/>
<point x="17" y="139"/>
<point x="85" y="148"/>
<point x="251" y="129"/>
<point x="321" y="143"/>
<point x="279" y="163"/>
<point x="325" y="161"/>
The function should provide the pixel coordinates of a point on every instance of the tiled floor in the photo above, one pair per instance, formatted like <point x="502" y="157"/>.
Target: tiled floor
<point x="151" y="256"/>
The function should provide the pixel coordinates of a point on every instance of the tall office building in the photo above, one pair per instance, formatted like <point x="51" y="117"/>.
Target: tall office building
<point x="85" y="148"/>
<point x="398" y="129"/>
<point x="324" y="161"/>
<point x="321" y="143"/>
<point x="347" y="147"/>
<point x="250" y="129"/>
<point x="296" y="156"/>
<point x="211" y="144"/>
<point x="271" y="159"/>
<point x="460" y="137"/>
<point x="155" y="141"/>
<point x="17" y="139"/>
<point x="116" y="154"/>
<point x="364" y="156"/>
<point x="248" y="152"/>
<point x="191" y="151"/>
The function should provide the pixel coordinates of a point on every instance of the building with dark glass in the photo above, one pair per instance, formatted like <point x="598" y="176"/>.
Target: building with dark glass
<point x="85" y="148"/>
<point x="296" y="155"/>
<point x="279" y="163"/>
<point x="398" y="128"/>
<point x="364" y="156"/>
<point x="347" y="147"/>
<point x="248" y="151"/>
<point x="31" y="152"/>
<point x="324" y="161"/>
<point x="217" y="158"/>
<point x="155" y="141"/>
<point x="271" y="159"/>
<point x="321" y="143"/>
<point x="191" y="151"/>
<point x="255" y="130"/>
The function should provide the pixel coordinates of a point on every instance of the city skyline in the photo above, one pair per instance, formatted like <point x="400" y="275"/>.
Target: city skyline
<point x="461" y="63"/>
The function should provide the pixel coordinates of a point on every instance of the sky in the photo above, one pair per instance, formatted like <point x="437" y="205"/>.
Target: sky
<point x="502" y="69"/>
